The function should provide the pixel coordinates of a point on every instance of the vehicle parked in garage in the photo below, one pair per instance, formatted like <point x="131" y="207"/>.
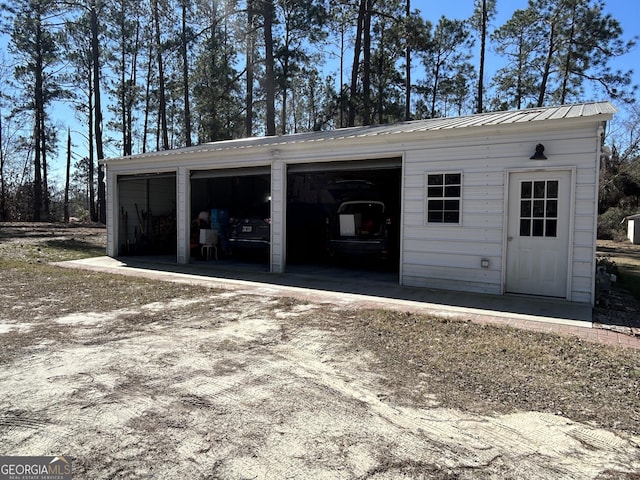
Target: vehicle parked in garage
<point x="361" y="228"/>
<point x="249" y="234"/>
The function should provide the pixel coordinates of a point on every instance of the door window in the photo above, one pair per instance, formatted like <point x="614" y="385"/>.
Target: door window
<point x="539" y="208"/>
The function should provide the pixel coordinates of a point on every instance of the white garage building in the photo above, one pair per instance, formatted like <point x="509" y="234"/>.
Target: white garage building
<point x="502" y="202"/>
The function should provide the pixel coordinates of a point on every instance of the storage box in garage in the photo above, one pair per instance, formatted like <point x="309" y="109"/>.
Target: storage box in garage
<point x="348" y="224"/>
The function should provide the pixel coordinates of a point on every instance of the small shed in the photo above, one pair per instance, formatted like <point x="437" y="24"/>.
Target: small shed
<point x="633" y="228"/>
<point x="500" y="203"/>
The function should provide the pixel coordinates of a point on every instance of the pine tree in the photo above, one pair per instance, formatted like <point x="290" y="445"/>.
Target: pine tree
<point x="559" y="46"/>
<point x="215" y="81"/>
<point x="35" y="43"/>
<point x="516" y="84"/>
<point x="446" y="58"/>
<point x="301" y="25"/>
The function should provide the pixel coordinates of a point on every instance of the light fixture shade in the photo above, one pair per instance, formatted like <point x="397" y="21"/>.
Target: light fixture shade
<point x="539" y="155"/>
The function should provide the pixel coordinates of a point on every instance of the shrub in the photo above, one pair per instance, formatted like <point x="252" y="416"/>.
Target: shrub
<point x="611" y="225"/>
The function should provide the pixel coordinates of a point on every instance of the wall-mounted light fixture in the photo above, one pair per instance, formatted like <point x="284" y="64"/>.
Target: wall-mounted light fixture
<point x="484" y="263"/>
<point x="539" y="155"/>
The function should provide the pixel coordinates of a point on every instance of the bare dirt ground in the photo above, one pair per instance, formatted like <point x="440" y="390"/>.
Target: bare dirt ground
<point x="139" y="379"/>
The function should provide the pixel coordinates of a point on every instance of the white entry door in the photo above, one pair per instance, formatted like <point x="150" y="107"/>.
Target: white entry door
<point x="538" y="233"/>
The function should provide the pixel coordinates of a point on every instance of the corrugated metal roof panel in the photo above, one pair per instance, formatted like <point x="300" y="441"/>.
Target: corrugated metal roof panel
<point x="416" y="126"/>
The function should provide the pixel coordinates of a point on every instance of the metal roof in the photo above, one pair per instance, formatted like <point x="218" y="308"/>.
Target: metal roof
<point x="581" y="110"/>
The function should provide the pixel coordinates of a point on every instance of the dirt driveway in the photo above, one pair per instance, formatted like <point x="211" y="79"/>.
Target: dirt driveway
<point x="240" y="388"/>
<point x="139" y="379"/>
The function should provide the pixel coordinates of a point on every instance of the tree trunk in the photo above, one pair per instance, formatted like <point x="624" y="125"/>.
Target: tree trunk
<point x="342" y="89"/>
<point x="95" y="53"/>
<point x="67" y="178"/>
<point x="547" y="68"/>
<point x="519" y="86"/>
<point x="185" y="75"/>
<point x="162" y="101"/>
<point x="131" y="92"/>
<point x="123" y="80"/>
<point x="285" y="81"/>
<point x="382" y="78"/>
<point x="37" y="178"/>
<point x="250" y="46"/>
<point x="357" y="48"/>
<point x="366" y="64"/>
<point x="483" y="41"/>
<point x="3" y="201"/>
<point x="147" y="100"/>
<point x="567" y="66"/>
<point x="92" y="200"/>
<point x="39" y="108"/>
<point x="270" y="84"/>
<point x="435" y="82"/>
<point x="407" y="92"/>
<point x="45" y="181"/>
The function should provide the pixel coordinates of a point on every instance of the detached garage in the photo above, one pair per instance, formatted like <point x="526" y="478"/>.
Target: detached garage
<point x="502" y="202"/>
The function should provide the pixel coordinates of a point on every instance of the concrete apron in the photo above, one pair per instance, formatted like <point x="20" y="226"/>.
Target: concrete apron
<point x="352" y="289"/>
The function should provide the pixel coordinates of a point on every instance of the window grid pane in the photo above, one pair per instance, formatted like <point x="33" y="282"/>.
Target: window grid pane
<point x="436" y="180"/>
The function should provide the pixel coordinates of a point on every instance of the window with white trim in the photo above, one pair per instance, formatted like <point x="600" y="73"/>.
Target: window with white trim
<point x="444" y="197"/>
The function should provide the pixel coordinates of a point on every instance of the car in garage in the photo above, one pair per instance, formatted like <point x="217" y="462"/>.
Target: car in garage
<point x="249" y="234"/>
<point x="361" y="228"/>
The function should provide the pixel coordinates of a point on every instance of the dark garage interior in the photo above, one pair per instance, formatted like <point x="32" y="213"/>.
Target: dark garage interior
<point x="147" y="215"/>
<point x="319" y="194"/>
<point x="234" y="200"/>
<point x="238" y="199"/>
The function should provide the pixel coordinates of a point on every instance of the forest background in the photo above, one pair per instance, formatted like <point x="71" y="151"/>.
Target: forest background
<point x="83" y="80"/>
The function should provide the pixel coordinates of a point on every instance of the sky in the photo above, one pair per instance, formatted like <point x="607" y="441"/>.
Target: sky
<point x="625" y="11"/>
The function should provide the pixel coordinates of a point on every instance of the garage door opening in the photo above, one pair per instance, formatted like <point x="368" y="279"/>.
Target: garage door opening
<point x="235" y="205"/>
<point x="147" y="224"/>
<point x="344" y="214"/>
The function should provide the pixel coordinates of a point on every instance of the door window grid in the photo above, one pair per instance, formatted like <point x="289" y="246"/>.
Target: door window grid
<point x="443" y="197"/>
<point x="539" y="208"/>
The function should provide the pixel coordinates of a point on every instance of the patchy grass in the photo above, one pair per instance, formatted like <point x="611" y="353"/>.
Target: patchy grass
<point x="46" y="291"/>
<point x="35" y="291"/>
<point x="626" y="257"/>
<point x="453" y="363"/>
<point x="630" y="275"/>
<point x="47" y="242"/>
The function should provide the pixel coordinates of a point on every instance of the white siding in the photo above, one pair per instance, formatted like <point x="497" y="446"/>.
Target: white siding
<point x="444" y="256"/>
